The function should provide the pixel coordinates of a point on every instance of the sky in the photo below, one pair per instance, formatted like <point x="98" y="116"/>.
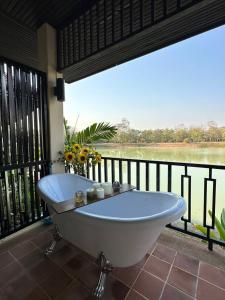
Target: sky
<point x="180" y="84"/>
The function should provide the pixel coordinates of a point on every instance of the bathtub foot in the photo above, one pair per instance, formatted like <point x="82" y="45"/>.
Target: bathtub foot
<point x="56" y="238"/>
<point x="106" y="268"/>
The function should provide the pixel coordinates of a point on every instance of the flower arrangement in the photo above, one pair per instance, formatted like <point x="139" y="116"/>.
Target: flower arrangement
<point x="80" y="157"/>
<point x="77" y="155"/>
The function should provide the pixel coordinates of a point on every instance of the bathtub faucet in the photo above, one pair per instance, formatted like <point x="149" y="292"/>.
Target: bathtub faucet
<point x="106" y="268"/>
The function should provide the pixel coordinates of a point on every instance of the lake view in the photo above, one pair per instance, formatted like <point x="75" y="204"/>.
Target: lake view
<point x="209" y="155"/>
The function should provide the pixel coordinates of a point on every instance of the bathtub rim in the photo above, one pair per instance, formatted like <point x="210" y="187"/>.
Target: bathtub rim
<point x="45" y="195"/>
<point x="176" y="209"/>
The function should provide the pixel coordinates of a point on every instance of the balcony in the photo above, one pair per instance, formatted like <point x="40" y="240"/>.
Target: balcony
<point x="179" y="267"/>
<point x="39" y="44"/>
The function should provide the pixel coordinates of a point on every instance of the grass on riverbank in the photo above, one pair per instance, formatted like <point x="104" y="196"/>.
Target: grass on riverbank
<point x="165" y="145"/>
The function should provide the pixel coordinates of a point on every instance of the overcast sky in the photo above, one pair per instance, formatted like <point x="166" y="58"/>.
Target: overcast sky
<point x="180" y="84"/>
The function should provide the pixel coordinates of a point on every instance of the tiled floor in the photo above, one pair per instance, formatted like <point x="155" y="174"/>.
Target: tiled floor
<point x="163" y="274"/>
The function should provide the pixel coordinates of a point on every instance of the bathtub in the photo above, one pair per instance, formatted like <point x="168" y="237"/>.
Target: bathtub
<point x="124" y="227"/>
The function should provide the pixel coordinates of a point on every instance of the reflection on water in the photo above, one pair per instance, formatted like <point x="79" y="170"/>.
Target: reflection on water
<point x="181" y="154"/>
<point x="214" y="156"/>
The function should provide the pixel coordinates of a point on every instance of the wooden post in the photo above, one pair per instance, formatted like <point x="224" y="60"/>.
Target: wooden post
<point x="47" y="49"/>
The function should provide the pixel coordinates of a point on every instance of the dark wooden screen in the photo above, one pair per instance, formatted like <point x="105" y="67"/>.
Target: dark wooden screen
<point x="23" y="145"/>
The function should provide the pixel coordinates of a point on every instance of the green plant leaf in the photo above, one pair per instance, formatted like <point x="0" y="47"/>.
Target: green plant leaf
<point x="222" y="218"/>
<point x="218" y="226"/>
<point x="203" y="230"/>
<point x="67" y="132"/>
<point x="95" y="133"/>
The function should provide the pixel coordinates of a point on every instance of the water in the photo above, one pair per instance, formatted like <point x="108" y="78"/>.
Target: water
<point x="202" y="155"/>
<point x="180" y="154"/>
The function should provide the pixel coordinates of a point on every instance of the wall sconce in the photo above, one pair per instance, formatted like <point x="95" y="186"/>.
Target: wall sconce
<point x="59" y="90"/>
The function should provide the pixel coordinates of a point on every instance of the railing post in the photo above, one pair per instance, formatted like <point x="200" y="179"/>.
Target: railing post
<point x="113" y="169"/>
<point x="147" y="176"/>
<point x="138" y="175"/>
<point x="169" y="186"/>
<point x="105" y="170"/>
<point x="157" y="177"/>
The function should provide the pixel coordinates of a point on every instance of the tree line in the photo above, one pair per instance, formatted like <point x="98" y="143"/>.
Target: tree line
<point x="211" y="133"/>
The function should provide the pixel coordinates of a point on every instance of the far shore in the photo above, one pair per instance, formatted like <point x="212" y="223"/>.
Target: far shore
<point x="163" y="145"/>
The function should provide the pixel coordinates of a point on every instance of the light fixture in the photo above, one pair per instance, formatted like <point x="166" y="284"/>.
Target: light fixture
<point x="59" y="90"/>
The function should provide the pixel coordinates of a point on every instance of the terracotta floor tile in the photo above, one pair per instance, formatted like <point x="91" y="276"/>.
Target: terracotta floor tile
<point x="64" y="254"/>
<point x="171" y="293"/>
<point x="133" y="295"/>
<point x="32" y="259"/>
<point x="42" y="239"/>
<point x="56" y="283"/>
<point x="43" y="270"/>
<point x="212" y="274"/>
<point x="75" y="265"/>
<point x="141" y="263"/>
<point x="164" y="253"/>
<point x="5" y="259"/>
<point x="152" y="248"/>
<point x="25" y="234"/>
<point x="74" y="291"/>
<point x="20" y="287"/>
<point x="157" y="267"/>
<point x="22" y="249"/>
<point x="207" y="291"/>
<point x="36" y="294"/>
<point x="9" y="273"/>
<point x="183" y="281"/>
<point x="89" y="276"/>
<point x="3" y="296"/>
<point x="88" y="256"/>
<point x="126" y="275"/>
<point x="115" y="290"/>
<point x="187" y="263"/>
<point x="149" y="286"/>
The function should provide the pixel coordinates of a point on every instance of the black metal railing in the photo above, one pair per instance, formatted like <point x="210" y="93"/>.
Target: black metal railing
<point x="202" y="185"/>
<point x="20" y="205"/>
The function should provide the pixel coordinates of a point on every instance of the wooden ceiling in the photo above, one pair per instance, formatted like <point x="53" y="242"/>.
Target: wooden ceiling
<point x="94" y="35"/>
<point x="33" y="13"/>
<point x="112" y="32"/>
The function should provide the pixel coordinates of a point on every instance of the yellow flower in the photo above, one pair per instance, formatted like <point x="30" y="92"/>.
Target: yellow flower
<point x="98" y="158"/>
<point x="82" y="158"/>
<point x="76" y="147"/>
<point x="85" y="151"/>
<point x="69" y="156"/>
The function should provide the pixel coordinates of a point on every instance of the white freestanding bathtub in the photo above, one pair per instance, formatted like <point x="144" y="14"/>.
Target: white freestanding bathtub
<point x="124" y="227"/>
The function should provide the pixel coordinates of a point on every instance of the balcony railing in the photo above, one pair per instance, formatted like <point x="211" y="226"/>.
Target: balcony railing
<point x="202" y="185"/>
<point x="20" y="205"/>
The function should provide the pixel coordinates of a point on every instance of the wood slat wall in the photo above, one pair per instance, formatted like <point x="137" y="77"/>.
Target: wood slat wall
<point x="33" y="13"/>
<point x="115" y="31"/>
<point x="23" y="145"/>
<point x="18" y="42"/>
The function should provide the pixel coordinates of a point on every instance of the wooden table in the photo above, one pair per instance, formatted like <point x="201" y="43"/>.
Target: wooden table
<point x="68" y="205"/>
